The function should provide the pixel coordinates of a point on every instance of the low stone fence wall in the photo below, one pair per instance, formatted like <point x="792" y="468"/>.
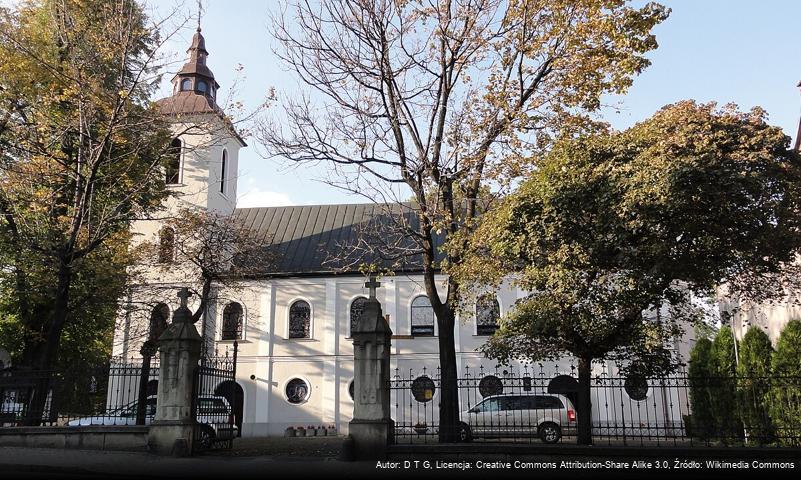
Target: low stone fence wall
<point x="127" y="438"/>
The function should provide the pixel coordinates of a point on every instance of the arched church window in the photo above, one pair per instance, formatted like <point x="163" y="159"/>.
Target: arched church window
<point x="232" y="322"/>
<point x="488" y="311"/>
<point x="166" y="245"/>
<point x="202" y="86"/>
<point x="422" y="317"/>
<point x="300" y="320"/>
<point x="356" y="312"/>
<point x="186" y="84"/>
<point x="173" y="166"/>
<point x="223" y="170"/>
<point x="158" y="321"/>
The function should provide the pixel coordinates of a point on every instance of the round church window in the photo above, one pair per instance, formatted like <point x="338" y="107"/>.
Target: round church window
<point x="297" y="391"/>
<point x="636" y="387"/>
<point x="423" y="389"/>
<point x="490" y="385"/>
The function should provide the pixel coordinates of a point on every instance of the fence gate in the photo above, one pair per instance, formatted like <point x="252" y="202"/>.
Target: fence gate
<point x="217" y="402"/>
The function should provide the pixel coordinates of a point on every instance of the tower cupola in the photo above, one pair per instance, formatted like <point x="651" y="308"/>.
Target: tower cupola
<point x="195" y="75"/>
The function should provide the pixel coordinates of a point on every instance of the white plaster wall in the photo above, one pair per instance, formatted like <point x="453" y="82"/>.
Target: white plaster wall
<point x="268" y="359"/>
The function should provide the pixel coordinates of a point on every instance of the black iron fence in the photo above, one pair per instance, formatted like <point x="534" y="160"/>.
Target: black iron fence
<point x="103" y="395"/>
<point x="531" y="405"/>
<point x="218" y="401"/>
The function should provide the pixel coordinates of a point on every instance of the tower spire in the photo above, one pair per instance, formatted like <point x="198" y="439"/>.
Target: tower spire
<point x="199" y="13"/>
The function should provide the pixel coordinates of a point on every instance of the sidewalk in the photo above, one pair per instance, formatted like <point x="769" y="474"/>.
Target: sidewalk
<point x="59" y="463"/>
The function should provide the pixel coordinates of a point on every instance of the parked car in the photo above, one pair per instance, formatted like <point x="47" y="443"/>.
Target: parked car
<point x="13" y="412"/>
<point x="121" y="416"/>
<point x="213" y="414"/>
<point x="547" y="416"/>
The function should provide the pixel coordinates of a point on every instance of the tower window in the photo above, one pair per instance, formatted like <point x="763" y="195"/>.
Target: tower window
<point x="223" y="170"/>
<point x="186" y="84"/>
<point x="166" y="245"/>
<point x="173" y="167"/>
<point x="202" y="86"/>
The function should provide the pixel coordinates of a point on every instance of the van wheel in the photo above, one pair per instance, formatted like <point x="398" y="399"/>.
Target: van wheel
<point x="465" y="435"/>
<point x="550" y="432"/>
<point x="206" y="437"/>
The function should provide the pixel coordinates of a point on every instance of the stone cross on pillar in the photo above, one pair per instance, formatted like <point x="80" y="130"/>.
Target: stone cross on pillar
<point x="172" y="429"/>
<point x="184" y="295"/>
<point x="372" y="284"/>
<point x="372" y="427"/>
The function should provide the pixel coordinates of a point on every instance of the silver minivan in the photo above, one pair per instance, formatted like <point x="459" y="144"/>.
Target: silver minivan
<point x="546" y="416"/>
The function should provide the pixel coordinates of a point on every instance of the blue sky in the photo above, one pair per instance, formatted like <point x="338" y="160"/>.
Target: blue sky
<point x="746" y="52"/>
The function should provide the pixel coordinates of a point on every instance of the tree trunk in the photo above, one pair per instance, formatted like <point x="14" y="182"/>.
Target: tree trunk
<point x="141" y="398"/>
<point x="584" y="406"/>
<point x="48" y="352"/>
<point x="449" y="391"/>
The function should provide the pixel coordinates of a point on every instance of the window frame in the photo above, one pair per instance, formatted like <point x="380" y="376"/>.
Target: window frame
<point x="187" y="81"/>
<point x="350" y="313"/>
<point x="308" y="390"/>
<point x="240" y="330"/>
<point x="475" y="314"/>
<point x="160" y="259"/>
<point x="411" y="316"/>
<point x="289" y="315"/>
<point x="151" y="335"/>
<point x="224" y="172"/>
<point x="180" y="166"/>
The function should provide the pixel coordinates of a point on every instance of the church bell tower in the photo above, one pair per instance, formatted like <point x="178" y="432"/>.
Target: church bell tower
<point x="204" y="174"/>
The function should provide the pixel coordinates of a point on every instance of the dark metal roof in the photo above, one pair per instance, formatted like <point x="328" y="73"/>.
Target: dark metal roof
<point x="188" y="102"/>
<point x="328" y="239"/>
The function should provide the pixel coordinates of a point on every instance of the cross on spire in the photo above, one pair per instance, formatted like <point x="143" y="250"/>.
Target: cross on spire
<point x="372" y="285"/>
<point x="199" y="13"/>
<point x="184" y="295"/>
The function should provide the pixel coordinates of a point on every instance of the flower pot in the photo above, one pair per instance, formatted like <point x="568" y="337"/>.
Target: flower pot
<point x="331" y="432"/>
<point x="300" y="432"/>
<point x="320" y="431"/>
<point x="289" y="432"/>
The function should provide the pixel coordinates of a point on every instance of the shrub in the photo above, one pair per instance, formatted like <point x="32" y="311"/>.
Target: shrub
<point x="785" y="395"/>
<point x="753" y="385"/>
<point x="722" y="393"/>
<point x="702" y="423"/>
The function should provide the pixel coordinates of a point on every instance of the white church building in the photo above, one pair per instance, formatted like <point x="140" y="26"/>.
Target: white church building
<point x="295" y="358"/>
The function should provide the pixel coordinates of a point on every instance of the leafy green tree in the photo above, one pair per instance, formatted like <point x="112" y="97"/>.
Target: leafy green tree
<point x="722" y="385"/>
<point x="613" y="224"/>
<point x="702" y="422"/>
<point x="753" y="385"/>
<point x="785" y="394"/>
<point x="81" y="148"/>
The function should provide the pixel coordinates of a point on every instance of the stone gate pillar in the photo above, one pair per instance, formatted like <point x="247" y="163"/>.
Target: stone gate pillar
<point x="171" y="431"/>
<point x="372" y="425"/>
